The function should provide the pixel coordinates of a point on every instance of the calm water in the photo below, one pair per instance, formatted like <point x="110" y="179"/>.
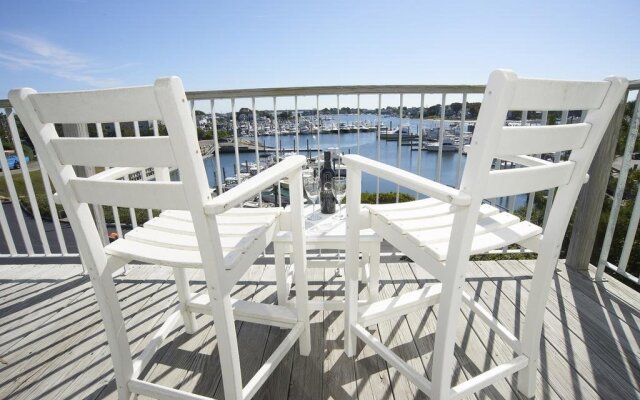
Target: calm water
<point x="365" y="144"/>
<point x="348" y="143"/>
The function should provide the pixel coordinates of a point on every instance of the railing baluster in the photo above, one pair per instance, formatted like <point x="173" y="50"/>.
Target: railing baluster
<point x="15" y="200"/>
<point x="8" y="237"/>
<point x="358" y="128"/>
<point x="338" y="118"/>
<point x="420" y="133"/>
<point x="297" y="145"/>
<point x="54" y="211"/>
<point x="440" y="139"/>
<point x="463" y="118"/>
<point x="216" y="145"/>
<point x="257" y="146"/>
<point x="399" y="151"/>
<point x="629" y="238"/>
<point x="617" y="199"/>
<point x="275" y="123"/>
<point x="378" y="145"/>
<point x="24" y="169"/>
<point x="319" y="129"/>
<point x="235" y="140"/>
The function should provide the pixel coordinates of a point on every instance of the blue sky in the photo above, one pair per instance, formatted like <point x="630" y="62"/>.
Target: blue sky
<point x="76" y="44"/>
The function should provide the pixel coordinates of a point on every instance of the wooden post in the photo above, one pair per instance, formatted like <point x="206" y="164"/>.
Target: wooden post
<point x="591" y="198"/>
<point x="81" y="130"/>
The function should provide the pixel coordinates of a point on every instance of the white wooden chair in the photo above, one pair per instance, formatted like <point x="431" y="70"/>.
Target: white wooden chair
<point x="441" y="232"/>
<point x="198" y="232"/>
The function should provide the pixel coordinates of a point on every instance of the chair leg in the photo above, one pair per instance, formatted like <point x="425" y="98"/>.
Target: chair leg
<point x="374" y="274"/>
<point x="281" y="275"/>
<point x="443" y="353"/>
<point x="534" y="319"/>
<point x="351" y="268"/>
<point x="114" y="325"/>
<point x="302" y="307"/>
<point x="184" y="294"/>
<point x="227" y="346"/>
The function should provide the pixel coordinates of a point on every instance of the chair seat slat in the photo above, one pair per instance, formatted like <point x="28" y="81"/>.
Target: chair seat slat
<point x="490" y="240"/>
<point x="115" y="152"/>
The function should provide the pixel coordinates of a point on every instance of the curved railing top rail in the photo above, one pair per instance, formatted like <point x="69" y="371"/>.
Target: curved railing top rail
<point x="321" y="90"/>
<point x="333" y="90"/>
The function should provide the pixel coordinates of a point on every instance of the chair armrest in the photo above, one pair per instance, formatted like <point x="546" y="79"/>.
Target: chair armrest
<point x="254" y="185"/>
<point x="408" y="179"/>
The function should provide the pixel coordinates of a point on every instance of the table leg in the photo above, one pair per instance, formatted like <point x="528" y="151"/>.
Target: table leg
<point x="374" y="273"/>
<point x="282" y="286"/>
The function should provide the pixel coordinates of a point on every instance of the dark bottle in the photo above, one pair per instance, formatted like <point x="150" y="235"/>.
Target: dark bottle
<point x="327" y="199"/>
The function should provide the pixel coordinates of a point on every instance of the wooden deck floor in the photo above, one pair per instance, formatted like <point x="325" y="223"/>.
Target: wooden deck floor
<point x="52" y="344"/>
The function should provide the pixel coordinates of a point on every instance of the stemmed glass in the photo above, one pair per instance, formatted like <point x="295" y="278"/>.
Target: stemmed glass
<point x="312" y="187"/>
<point x="339" y="191"/>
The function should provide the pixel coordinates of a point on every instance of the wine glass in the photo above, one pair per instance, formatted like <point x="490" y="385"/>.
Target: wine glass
<point x="312" y="187"/>
<point x="339" y="191"/>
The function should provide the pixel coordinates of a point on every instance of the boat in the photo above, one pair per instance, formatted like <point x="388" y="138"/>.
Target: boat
<point x="448" y="145"/>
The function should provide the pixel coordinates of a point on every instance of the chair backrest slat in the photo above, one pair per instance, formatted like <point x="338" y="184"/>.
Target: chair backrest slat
<point x="550" y="95"/>
<point x="134" y="194"/>
<point x="508" y="182"/>
<point x="111" y="105"/>
<point x="520" y="140"/>
<point x="115" y="152"/>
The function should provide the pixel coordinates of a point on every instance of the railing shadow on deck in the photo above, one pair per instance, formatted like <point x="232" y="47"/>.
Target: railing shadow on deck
<point x="593" y="303"/>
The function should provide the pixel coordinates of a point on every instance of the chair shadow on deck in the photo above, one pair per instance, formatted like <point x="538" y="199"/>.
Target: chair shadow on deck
<point x="592" y="333"/>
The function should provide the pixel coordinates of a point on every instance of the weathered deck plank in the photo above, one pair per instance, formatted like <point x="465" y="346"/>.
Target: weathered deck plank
<point x="54" y="346"/>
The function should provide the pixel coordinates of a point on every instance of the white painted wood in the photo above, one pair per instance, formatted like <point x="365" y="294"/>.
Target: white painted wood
<point x="407" y="179"/>
<point x="161" y="392"/>
<point x="114" y="210"/>
<point x="54" y="210"/>
<point x="24" y="170"/>
<point x="462" y="230"/>
<point x="110" y="105"/>
<point x="541" y="139"/>
<point x="414" y="376"/>
<point x="223" y="259"/>
<point x="140" y="363"/>
<point x="216" y="145"/>
<point x="184" y="294"/>
<point x="115" y="152"/>
<point x="399" y="148"/>
<point x="232" y="197"/>
<point x="272" y="362"/>
<point x="441" y="137"/>
<point x="526" y="180"/>
<point x="160" y="195"/>
<point x="381" y="310"/>
<point x="490" y="320"/>
<point x="541" y="94"/>
<point x="487" y="378"/>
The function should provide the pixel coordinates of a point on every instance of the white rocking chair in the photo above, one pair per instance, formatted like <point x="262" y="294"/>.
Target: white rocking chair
<point x="198" y="232"/>
<point x="441" y="232"/>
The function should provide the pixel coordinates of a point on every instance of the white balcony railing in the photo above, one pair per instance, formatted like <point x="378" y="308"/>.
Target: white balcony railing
<point x="30" y="235"/>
